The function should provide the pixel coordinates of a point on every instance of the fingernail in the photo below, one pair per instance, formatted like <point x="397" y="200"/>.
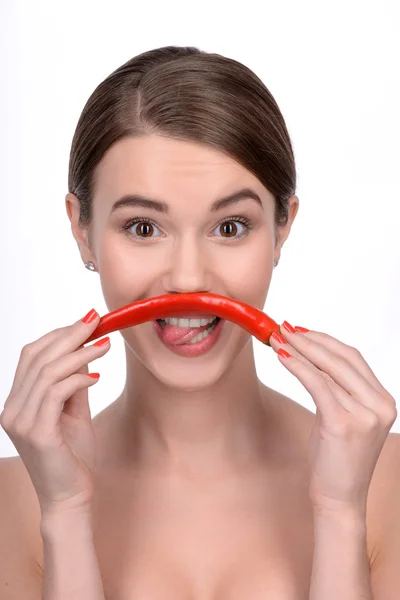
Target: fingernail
<point x="279" y="338"/>
<point x="93" y="375"/>
<point x="288" y="327"/>
<point x="283" y="352"/>
<point x="301" y="329"/>
<point x="102" y="341"/>
<point x="92" y="314"/>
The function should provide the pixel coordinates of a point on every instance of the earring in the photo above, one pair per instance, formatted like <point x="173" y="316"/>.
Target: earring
<point x="276" y="263"/>
<point x="89" y="265"/>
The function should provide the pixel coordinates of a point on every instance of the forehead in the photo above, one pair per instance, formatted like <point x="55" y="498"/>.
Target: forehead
<point x="171" y="169"/>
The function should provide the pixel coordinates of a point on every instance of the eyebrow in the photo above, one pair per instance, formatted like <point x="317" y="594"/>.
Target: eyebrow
<point x="162" y="207"/>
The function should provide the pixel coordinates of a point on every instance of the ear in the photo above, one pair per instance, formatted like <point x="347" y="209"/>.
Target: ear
<point x="283" y="232"/>
<point x="81" y="234"/>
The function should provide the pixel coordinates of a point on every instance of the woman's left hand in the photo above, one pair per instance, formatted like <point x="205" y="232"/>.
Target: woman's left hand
<point x="354" y="416"/>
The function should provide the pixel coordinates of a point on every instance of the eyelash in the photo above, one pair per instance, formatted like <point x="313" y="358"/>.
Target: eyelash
<point x="246" y="222"/>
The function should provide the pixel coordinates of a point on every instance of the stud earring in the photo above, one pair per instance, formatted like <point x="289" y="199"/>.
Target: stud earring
<point x="89" y="265"/>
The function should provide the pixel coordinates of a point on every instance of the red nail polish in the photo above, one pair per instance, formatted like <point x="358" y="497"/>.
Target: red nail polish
<point x="279" y="338"/>
<point x="301" y="329"/>
<point x="283" y="352"/>
<point x="288" y="327"/>
<point x="92" y="314"/>
<point x="93" y="375"/>
<point x="102" y="341"/>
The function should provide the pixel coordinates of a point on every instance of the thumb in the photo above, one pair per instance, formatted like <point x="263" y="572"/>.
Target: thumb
<point x="77" y="405"/>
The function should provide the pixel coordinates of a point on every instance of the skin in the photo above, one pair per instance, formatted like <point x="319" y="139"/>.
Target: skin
<point x="207" y="418"/>
<point x="208" y="414"/>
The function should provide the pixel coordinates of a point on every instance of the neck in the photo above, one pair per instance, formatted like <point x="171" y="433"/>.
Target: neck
<point x="207" y="430"/>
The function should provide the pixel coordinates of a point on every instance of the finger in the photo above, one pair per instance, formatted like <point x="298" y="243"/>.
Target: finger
<point x="26" y="410"/>
<point x="334" y="403"/>
<point x="331" y="410"/>
<point x="38" y="353"/>
<point x="44" y="432"/>
<point x="346" y="401"/>
<point x="32" y="350"/>
<point x="49" y="414"/>
<point x="347" y="377"/>
<point x="77" y="405"/>
<point x="28" y="352"/>
<point x="335" y="365"/>
<point x="343" y="397"/>
<point x="349" y="353"/>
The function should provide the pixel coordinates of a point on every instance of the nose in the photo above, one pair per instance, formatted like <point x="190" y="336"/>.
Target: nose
<point x="188" y="270"/>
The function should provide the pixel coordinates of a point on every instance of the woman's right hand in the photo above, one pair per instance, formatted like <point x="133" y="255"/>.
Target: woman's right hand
<point x="47" y="415"/>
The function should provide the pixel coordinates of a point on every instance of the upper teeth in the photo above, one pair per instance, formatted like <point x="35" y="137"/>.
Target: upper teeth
<point x="189" y="322"/>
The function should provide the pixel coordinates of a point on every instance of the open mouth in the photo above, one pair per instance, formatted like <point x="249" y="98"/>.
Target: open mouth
<point x="189" y="341"/>
<point x="163" y="323"/>
<point x="182" y="334"/>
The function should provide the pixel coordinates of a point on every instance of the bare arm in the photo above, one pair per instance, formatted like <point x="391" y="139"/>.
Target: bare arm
<point x="340" y="566"/>
<point x="71" y="569"/>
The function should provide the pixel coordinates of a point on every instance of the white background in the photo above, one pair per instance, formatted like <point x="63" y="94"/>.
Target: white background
<point x="334" y="70"/>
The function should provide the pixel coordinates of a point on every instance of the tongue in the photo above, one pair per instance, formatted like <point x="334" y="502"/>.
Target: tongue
<point x="172" y="334"/>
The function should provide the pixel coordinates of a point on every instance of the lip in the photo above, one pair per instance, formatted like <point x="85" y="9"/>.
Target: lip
<point x="204" y="316"/>
<point x="192" y="350"/>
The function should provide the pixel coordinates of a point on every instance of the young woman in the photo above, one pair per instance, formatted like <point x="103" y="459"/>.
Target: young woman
<point x="198" y="481"/>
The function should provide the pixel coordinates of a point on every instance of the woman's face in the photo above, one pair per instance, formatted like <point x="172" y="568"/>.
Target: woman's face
<point x="185" y="248"/>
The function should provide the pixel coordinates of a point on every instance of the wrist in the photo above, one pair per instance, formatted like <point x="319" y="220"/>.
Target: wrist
<point x="332" y="507"/>
<point x="57" y="521"/>
<point x="349" y="518"/>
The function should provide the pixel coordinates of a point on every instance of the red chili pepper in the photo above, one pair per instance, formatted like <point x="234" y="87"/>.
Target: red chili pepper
<point x="249" y="318"/>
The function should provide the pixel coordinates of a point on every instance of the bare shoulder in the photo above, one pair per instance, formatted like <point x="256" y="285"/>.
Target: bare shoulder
<point x="386" y="474"/>
<point x="384" y="492"/>
<point x="20" y="508"/>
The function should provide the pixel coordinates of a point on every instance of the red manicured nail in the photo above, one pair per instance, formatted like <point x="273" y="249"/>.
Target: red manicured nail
<point x="283" y="352"/>
<point x="279" y="338"/>
<point x="288" y="327"/>
<point x="93" y="375"/>
<point x="92" y="314"/>
<point x="301" y="329"/>
<point x="102" y="341"/>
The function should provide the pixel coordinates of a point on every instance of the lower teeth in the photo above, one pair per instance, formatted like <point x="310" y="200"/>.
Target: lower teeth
<point x="203" y="334"/>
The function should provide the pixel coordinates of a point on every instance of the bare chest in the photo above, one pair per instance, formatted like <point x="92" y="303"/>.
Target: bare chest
<point x="226" y="541"/>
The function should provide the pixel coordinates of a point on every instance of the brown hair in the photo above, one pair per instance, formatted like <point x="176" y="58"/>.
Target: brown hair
<point x="187" y="94"/>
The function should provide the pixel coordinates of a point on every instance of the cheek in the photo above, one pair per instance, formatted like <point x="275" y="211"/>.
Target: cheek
<point x="250" y="269"/>
<point x="125" y="275"/>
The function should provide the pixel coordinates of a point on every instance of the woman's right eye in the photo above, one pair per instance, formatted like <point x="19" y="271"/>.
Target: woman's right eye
<point x="144" y="231"/>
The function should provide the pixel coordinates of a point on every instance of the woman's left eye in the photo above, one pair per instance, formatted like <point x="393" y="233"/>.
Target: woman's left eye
<point x="230" y="223"/>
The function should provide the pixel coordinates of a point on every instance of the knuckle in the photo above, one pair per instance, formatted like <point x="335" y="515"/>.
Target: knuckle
<point x="47" y="372"/>
<point x="28" y="350"/>
<point x="369" y="421"/>
<point x="391" y="401"/>
<point x="52" y="394"/>
<point x="59" y="331"/>
<point x="6" y="421"/>
<point x="21" y="429"/>
<point x="327" y="378"/>
<point x="354" y="352"/>
<point x="320" y="383"/>
<point x="9" y="400"/>
<point x="69" y="332"/>
<point x="340" y="363"/>
<point x="389" y="415"/>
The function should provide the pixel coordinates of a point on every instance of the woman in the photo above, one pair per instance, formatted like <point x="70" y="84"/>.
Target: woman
<point x="198" y="481"/>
